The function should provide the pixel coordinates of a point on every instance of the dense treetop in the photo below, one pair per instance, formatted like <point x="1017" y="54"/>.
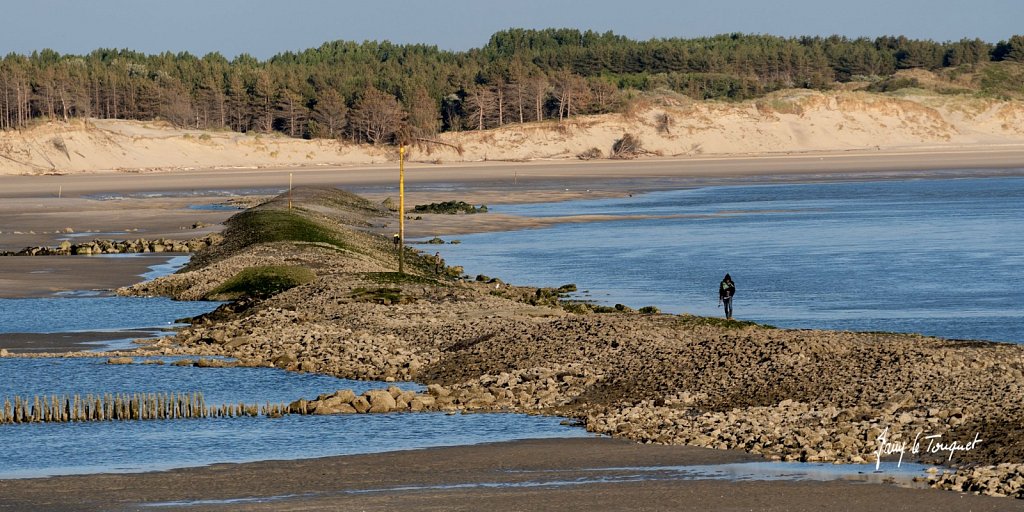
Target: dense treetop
<point x="379" y="92"/>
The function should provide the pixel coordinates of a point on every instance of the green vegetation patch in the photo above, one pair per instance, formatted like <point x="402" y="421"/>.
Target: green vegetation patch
<point x="261" y="282"/>
<point x="263" y="226"/>
<point x="449" y="208"/>
<point x="1003" y="80"/>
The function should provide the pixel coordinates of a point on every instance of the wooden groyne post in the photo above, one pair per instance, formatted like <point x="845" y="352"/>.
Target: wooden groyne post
<point x="125" y="407"/>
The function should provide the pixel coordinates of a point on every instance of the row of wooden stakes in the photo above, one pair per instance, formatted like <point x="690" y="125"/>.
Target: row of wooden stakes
<point x="124" y="407"/>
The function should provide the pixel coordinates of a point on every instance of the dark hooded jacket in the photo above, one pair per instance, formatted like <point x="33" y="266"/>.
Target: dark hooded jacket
<point x="727" y="288"/>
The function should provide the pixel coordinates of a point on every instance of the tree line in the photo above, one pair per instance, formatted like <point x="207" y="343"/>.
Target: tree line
<point x="379" y="92"/>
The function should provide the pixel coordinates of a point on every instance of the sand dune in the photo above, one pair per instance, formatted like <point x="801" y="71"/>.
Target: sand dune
<point x="796" y="121"/>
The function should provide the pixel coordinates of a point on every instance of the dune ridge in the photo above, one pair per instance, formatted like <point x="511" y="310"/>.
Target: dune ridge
<point x="787" y="122"/>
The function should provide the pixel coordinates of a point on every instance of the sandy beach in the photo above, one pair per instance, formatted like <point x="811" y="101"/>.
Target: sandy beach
<point x="524" y="475"/>
<point x="340" y="483"/>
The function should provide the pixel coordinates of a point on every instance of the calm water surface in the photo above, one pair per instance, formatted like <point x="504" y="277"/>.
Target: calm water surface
<point x="75" y="448"/>
<point x="940" y="257"/>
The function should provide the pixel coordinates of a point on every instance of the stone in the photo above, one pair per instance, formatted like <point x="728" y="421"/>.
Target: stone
<point x="380" y="401"/>
<point x="285" y="360"/>
<point x="298" y="407"/>
<point x="334" y="405"/>
<point x="361" y="405"/>
<point x="307" y="366"/>
<point x="237" y="341"/>
<point x="422" y="402"/>
<point x="395" y="391"/>
<point x="436" y="390"/>
<point x="120" y="360"/>
<point x="4" y="352"/>
<point x="345" y="395"/>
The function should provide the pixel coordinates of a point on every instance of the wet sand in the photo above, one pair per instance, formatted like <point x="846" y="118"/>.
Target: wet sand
<point x="560" y="474"/>
<point x="648" y="173"/>
<point x="43" y="220"/>
<point x="44" y="276"/>
<point x="59" y="342"/>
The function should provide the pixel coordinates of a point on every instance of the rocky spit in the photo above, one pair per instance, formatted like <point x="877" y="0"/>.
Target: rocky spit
<point x="792" y="395"/>
<point x="139" y="245"/>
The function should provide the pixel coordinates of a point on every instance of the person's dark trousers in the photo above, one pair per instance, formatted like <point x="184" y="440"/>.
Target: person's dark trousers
<point x="728" y="307"/>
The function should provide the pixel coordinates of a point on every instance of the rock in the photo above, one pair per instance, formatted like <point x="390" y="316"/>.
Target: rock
<point x="299" y="406"/>
<point x="120" y="360"/>
<point x="307" y="366"/>
<point x="422" y="402"/>
<point x="395" y="391"/>
<point x="334" y="405"/>
<point x="285" y="360"/>
<point x="480" y="401"/>
<point x="380" y="401"/>
<point x="345" y="395"/>
<point x="436" y="390"/>
<point x="361" y="404"/>
<point x="238" y="341"/>
<point x="4" y="352"/>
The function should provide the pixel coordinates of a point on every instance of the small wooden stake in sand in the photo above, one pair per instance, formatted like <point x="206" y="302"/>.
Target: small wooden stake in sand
<point x="289" y="191"/>
<point x="401" y="209"/>
<point x="60" y="191"/>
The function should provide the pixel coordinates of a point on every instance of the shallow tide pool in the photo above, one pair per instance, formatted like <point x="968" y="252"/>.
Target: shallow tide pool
<point x="133" y="446"/>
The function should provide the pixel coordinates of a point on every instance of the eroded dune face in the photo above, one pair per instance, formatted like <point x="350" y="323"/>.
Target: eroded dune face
<point x="784" y="122"/>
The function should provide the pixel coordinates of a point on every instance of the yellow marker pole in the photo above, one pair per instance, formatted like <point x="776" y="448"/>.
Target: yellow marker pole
<point x="289" y="191"/>
<point x="401" y="209"/>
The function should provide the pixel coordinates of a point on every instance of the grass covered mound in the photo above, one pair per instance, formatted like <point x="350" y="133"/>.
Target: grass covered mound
<point x="269" y="225"/>
<point x="449" y="208"/>
<point x="261" y="282"/>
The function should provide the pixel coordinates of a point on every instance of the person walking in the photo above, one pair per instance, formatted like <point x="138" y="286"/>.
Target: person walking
<point x="438" y="263"/>
<point x="726" y="289"/>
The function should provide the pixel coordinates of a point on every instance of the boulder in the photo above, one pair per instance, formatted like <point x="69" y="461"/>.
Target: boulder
<point x="237" y="341"/>
<point x="345" y="395"/>
<point x="361" y="404"/>
<point x="120" y="360"/>
<point x="437" y="390"/>
<point x="334" y="405"/>
<point x="299" y="406"/>
<point x="422" y="402"/>
<point x="380" y="401"/>
<point x="285" y="360"/>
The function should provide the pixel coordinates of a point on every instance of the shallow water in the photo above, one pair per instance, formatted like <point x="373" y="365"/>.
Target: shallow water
<point x="80" y="312"/>
<point x="940" y="257"/>
<point x="738" y="472"/>
<point x="76" y="448"/>
<point x="100" y="310"/>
